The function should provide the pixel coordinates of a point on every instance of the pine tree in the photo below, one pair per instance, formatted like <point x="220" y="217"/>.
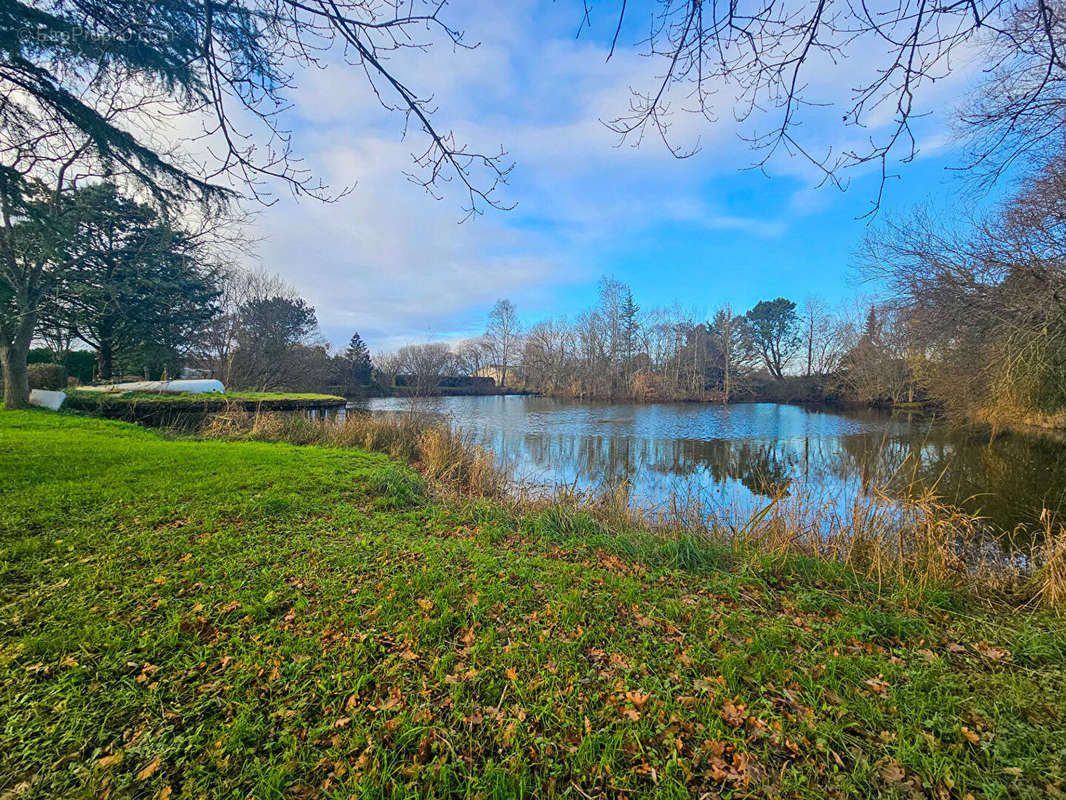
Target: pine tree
<point x="358" y="357"/>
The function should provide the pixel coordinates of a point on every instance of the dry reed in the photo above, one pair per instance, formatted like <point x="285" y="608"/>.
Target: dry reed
<point x="446" y="457"/>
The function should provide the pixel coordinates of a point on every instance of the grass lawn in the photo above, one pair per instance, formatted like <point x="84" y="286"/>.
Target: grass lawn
<point x="193" y="619"/>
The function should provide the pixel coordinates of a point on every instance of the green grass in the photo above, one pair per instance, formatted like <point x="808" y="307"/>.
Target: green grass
<point x="242" y="619"/>
<point x="167" y="409"/>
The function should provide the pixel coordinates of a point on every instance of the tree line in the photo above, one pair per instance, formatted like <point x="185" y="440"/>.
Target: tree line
<point x="91" y="91"/>
<point x="108" y="275"/>
<point x="966" y="312"/>
<point x="617" y="350"/>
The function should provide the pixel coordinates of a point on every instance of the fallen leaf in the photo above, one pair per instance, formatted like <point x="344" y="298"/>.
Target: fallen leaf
<point x="733" y="715"/>
<point x="993" y="653"/>
<point x="150" y="770"/>
<point x="971" y="736"/>
<point x="834" y="698"/>
<point x="342" y="722"/>
<point x="637" y="698"/>
<point x="110" y="761"/>
<point x="878" y="686"/>
<point x="893" y="771"/>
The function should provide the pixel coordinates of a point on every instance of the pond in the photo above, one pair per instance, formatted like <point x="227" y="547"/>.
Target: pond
<point x="741" y="455"/>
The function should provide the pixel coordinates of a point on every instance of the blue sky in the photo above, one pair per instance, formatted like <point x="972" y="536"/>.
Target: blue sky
<point x="395" y="264"/>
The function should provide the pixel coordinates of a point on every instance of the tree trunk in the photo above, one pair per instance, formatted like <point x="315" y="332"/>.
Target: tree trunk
<point x="105" y="360"/>
<point x="16" y="375"/>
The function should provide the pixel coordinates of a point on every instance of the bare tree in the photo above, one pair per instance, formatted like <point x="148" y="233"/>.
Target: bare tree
<point x="471" y="355"/>
<point x="503" y="336"/>
<point x="734" y="351"/>
<point x="217" y="349"/>
<point x="984" y="299"/>
<point x="425" y="365"/>
<point x="767" y="58"/>
<point x="820" y="337"/>
<point x="386" y="368"/>
<point x="548" y="357"/>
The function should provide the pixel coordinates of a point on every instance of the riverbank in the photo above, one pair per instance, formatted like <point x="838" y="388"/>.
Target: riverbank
<point x="185" y="618"/>
<point x="166" y="409"/>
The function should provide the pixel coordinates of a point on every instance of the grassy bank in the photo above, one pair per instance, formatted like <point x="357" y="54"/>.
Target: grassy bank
<point x="164" y="409"/>
<point x="187" y="618"/>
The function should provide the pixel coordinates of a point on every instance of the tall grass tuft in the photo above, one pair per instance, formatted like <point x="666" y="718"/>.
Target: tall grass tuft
<point x="1050" y="576"/>
<point x="445" y="457"/>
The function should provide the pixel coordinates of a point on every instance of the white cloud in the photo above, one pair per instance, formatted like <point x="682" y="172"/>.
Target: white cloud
<point x="392" y="262"/>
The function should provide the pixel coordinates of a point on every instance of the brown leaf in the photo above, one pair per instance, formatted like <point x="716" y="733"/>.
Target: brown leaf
<point x="733" y="715"/>
<point x="150" y="770"/>
<point x="164" y="793"/>
<point x="342" y="722"/>
<point x="893" y="771"/>
<point x="878" y="686"/>
<point x="834" y="698"/>
<point x="993" y="653"/>
<point x="971" y="736"/>
<point x="110" y="761"/>
<point x="637" y="698"/>
<point x="631" y="714"/>
<point x="409" y="655"/>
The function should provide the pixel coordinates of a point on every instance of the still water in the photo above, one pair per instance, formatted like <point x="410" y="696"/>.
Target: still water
<point x="740" y="455"/>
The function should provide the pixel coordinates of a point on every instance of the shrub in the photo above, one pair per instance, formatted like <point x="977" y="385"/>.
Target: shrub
<point x="47" y="376"/>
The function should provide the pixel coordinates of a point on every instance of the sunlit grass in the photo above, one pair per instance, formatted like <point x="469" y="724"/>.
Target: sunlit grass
<point x="243" y="618"/>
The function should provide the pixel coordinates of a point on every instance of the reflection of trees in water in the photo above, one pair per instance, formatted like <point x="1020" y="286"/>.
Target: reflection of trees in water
<point x="1008" y="480"/>
<point x="764" y="468"/>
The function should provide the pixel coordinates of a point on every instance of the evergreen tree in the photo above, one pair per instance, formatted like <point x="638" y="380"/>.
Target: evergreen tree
<point x="774" y="327"/>
<point x="133" y="287"/>
<point x="358" y="357"/>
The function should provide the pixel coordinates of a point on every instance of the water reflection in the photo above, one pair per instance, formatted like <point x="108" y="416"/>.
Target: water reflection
<point x="743" y="454"/>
